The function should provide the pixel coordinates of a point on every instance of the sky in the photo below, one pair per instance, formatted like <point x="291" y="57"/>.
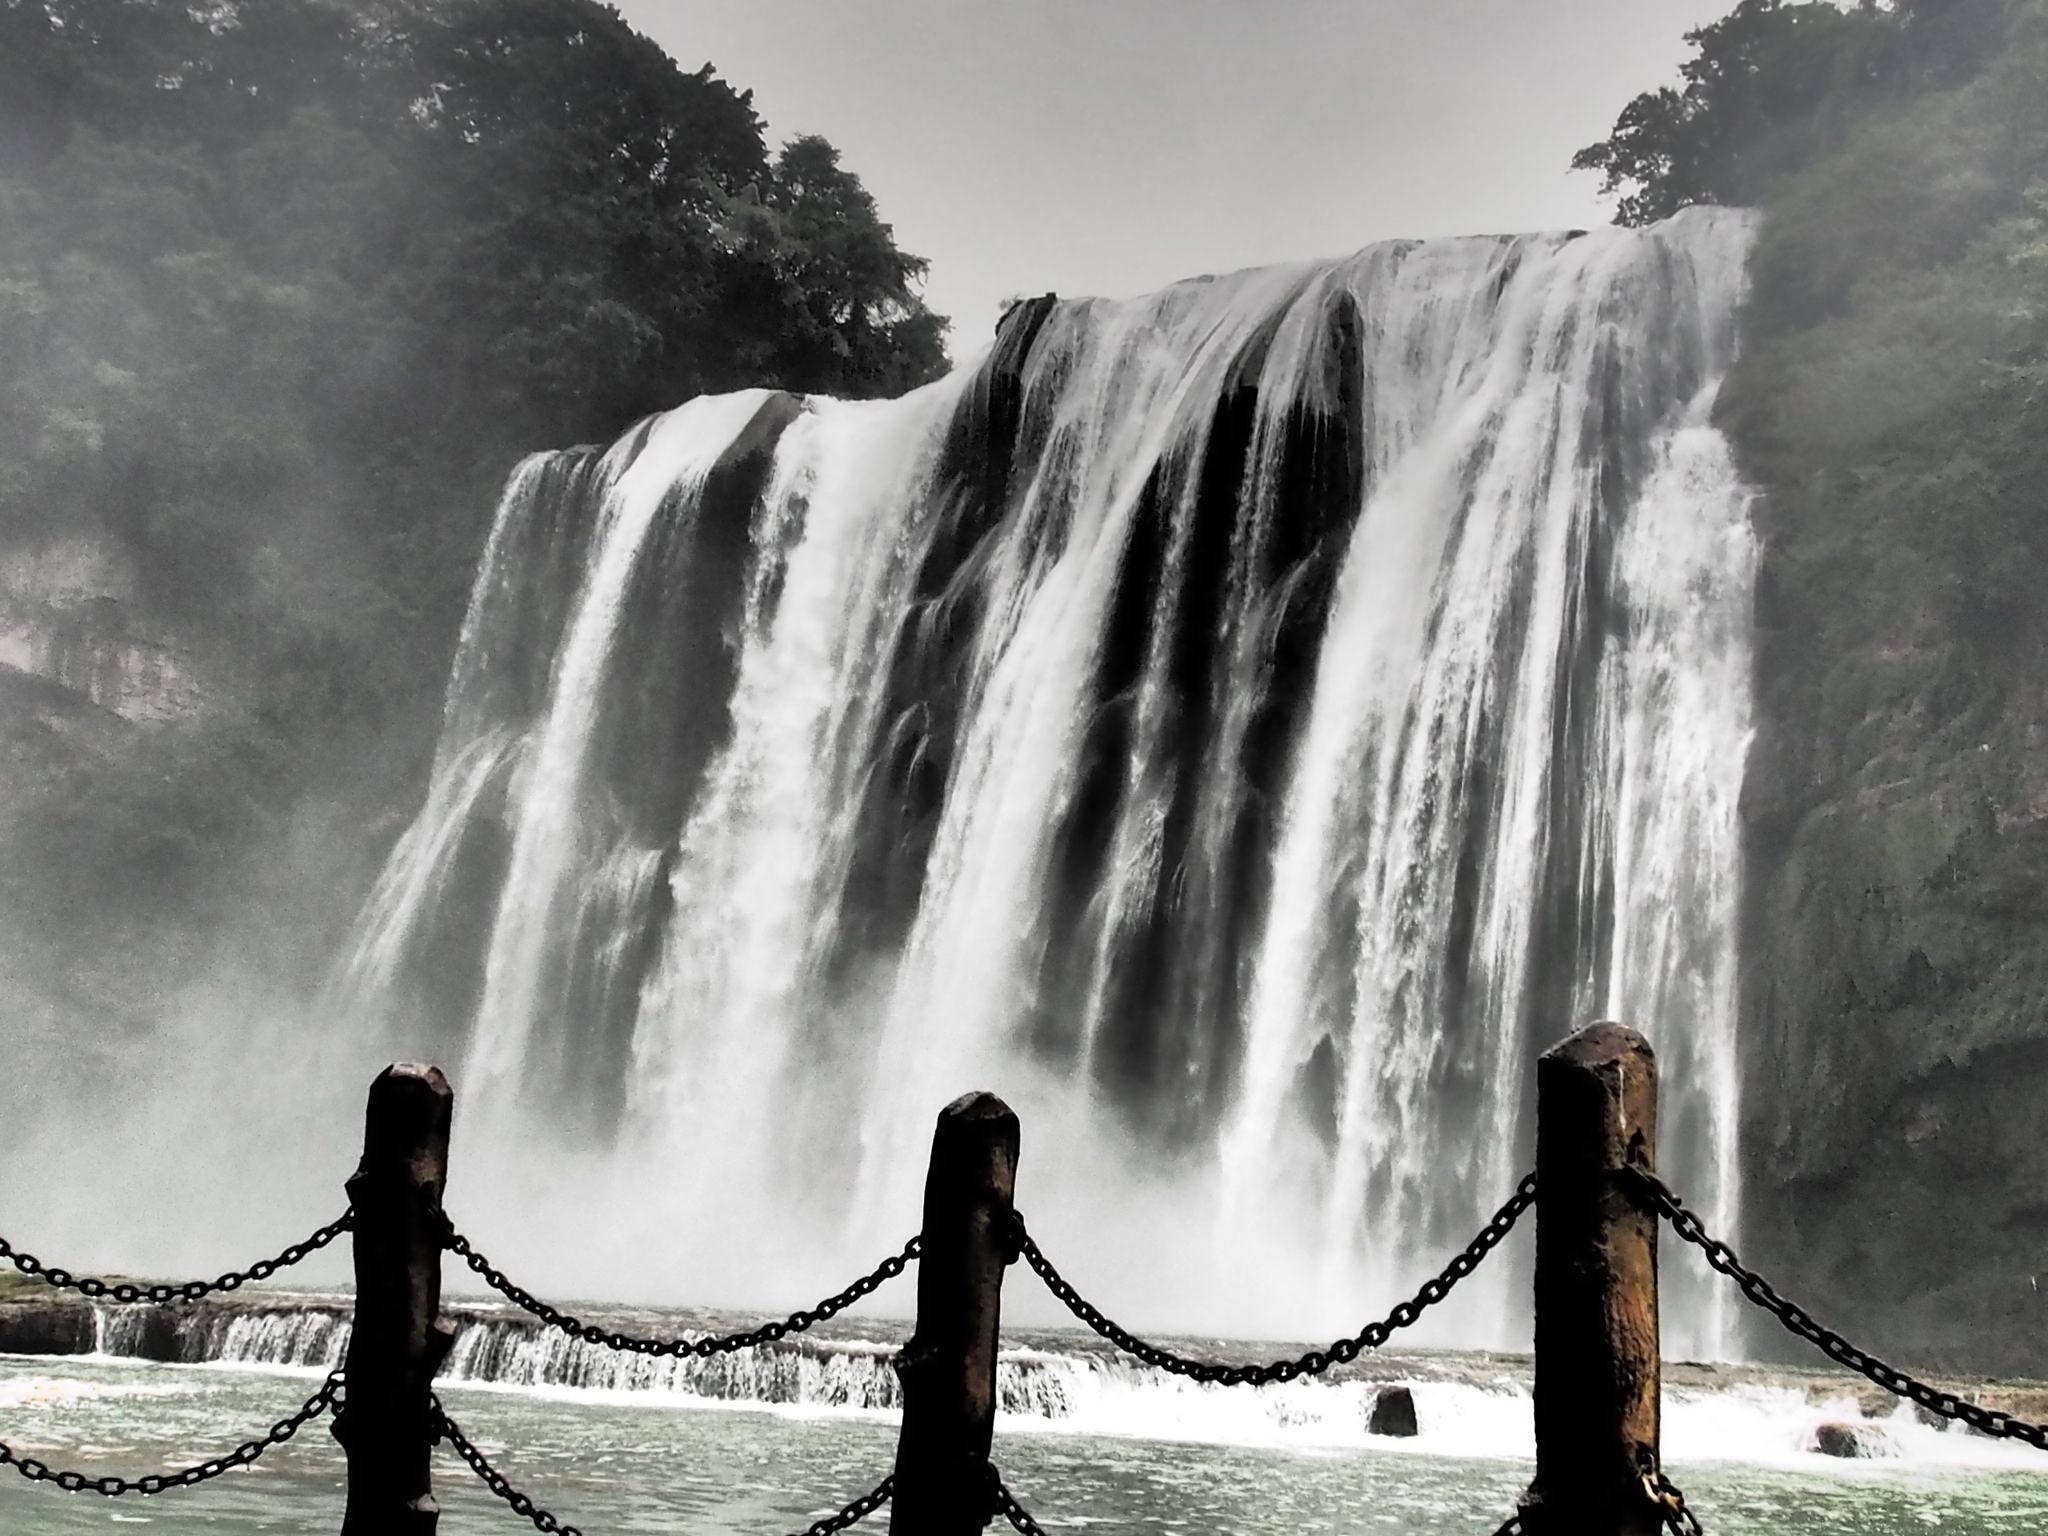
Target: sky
<point x="1111" y="146"/>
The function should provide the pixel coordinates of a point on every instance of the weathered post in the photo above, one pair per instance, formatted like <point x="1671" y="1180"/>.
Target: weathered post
<point x="1596" y="1289"/>
<point x="949" y="1366"/>
<point x="398" y="1341"/>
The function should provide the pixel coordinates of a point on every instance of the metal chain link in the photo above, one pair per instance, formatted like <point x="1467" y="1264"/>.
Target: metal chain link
<point x="1671" y="1504"/>
<point x="1022" y="1522"/>
<point x="1662" y="1492"/>
<point x="191" y="1290"/>
<point x="1798" y="1320"/>
<point x="855" y="1512"/>
<point x="702" y="1348"/>
<point x="328" y="1396"/>
<point x="1006" y="1505"/>
<point x="1372" y="1336"/>
<point x="447" y="1429"/>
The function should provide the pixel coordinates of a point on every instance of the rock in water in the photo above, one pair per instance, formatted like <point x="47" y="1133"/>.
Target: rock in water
<point x="1854" y="1441"/>
<point x="1393" y="1413"/>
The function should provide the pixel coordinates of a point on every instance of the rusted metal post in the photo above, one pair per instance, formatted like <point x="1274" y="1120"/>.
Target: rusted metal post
<point x="949" y="1366"/>
<point x="1596" y="1289"/>
<point x="399" y="1340"/>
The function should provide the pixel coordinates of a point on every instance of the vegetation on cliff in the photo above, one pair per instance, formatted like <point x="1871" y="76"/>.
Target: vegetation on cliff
<point x="285" y="289"/>
<point x="1892" y="408"/>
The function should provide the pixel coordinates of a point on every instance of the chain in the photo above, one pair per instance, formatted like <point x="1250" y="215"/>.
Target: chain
<point x="1372" y="1336"/>
<point x="702" y="1348"/>
<point x="1662" y="1492"/>
<point x="1671" y="1504"/>
<point x="855" y="1512"/>
<point x="191" y="1290"/>
<point x="1021" y="1520"/>
<point x="1007" y="1506"/>
<point x="242" y="1455"/>
<point x="526" y="1509"/>
<point x="447" y="1429"/>
<point x="1798" y="1320"/>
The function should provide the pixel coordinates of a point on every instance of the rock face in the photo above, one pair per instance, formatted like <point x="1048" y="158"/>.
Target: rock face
<point x="1854" y="1441"/>
<point x="1393" y="1413"/>
<point x="68" y="615"/>
<point x="1895" y="1012"/>
<point x="52" y="1325"/>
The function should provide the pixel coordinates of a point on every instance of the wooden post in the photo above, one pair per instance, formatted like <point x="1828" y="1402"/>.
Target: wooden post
<point x="1597" y="1372"/>
<point x="398" y="1341"/>
<point x="949" y="1366"/>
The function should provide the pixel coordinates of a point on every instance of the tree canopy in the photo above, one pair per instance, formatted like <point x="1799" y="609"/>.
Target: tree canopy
<point x="1774" y="84"/>
<point x="287" y="286"/>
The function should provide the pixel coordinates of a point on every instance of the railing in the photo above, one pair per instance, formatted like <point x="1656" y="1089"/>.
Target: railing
<point x="1599" y="1470"/>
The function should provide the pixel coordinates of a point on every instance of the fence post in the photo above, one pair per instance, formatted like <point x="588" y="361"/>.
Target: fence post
<point x="398" y="1340"/>
<point x="949" y="1366"/>
<point x="1597" y="1373"/>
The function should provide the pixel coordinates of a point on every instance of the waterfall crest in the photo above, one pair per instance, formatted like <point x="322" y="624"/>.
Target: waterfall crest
<point x="1241" y="725"/>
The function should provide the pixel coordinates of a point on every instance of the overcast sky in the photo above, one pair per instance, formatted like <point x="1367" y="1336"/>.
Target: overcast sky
<point x="1110" y="146"/>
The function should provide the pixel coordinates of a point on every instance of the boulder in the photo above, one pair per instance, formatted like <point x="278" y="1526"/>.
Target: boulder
<point x="1393" y="1413"/>
<point x="1854" y="1440"/>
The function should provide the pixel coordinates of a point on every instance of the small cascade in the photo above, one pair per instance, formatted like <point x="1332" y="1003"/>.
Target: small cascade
<point x="1464" y="1406"/>
<point x="293" y="1336"/>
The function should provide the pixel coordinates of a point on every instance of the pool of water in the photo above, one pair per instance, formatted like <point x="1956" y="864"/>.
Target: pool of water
<point x="613" y="1466"/>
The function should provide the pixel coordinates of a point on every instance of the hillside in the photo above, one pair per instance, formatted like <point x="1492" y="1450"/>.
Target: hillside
<point x="285" y="291"/>
<point x="1892" y="407"/>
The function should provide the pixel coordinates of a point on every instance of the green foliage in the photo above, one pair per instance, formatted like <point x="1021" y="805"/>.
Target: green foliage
<point x="1774" y="85"/>
<point x="1891" y="403"/>
<point x="286" y="287"/>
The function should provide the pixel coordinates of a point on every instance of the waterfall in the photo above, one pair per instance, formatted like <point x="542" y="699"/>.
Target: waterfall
<point x="1242" y="725"/>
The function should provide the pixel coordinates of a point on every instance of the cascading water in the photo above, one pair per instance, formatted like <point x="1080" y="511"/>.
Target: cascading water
<point x="1243" y="726"/>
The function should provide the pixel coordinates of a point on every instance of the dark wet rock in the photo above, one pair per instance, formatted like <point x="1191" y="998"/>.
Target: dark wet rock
<point x="1393" y="1413"/>
<point x="54" y="1325"/>
<point x="1854" y="1441"/>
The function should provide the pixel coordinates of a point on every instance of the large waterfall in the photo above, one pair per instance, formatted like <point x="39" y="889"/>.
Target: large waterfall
<point x="1243" y="726"/>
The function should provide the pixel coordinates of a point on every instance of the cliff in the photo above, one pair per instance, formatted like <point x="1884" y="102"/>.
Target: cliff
<point x="1891" y="409"/>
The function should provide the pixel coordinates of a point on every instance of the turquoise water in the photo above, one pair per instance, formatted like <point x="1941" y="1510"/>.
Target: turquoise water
<point x="615" y="1467"/>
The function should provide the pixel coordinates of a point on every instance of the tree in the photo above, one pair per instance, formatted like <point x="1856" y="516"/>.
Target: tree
<point x="1772" y="86"/>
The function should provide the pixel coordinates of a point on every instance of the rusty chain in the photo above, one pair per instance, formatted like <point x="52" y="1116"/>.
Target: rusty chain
<point x="1316" y="1361"/>
<point x="329" y="1396"/>
<point x="1798" y="1320"/>
<point x="1659" y="1490"/>
<point x="702" y="1348"/>
<point x="1663" y="1493"/>
<point x="126" y="1292"/>
<point x="447" y="1429"/>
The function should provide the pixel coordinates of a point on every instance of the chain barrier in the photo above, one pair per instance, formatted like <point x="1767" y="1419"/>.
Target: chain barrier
<point x="1798" y="1320"/>
<point x="447" y="1429"/>
<point x="94" y="1288"/>
<point x="1670" y="1504"/>
<point x="1316" y="1361"/>
<point x="329" y="1396"/>
<point x="1005" y="1504"/>
<point x="1021" y="1520"/>
<point x="702" y="1348"/>
<point x="1660" y="1490"/>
